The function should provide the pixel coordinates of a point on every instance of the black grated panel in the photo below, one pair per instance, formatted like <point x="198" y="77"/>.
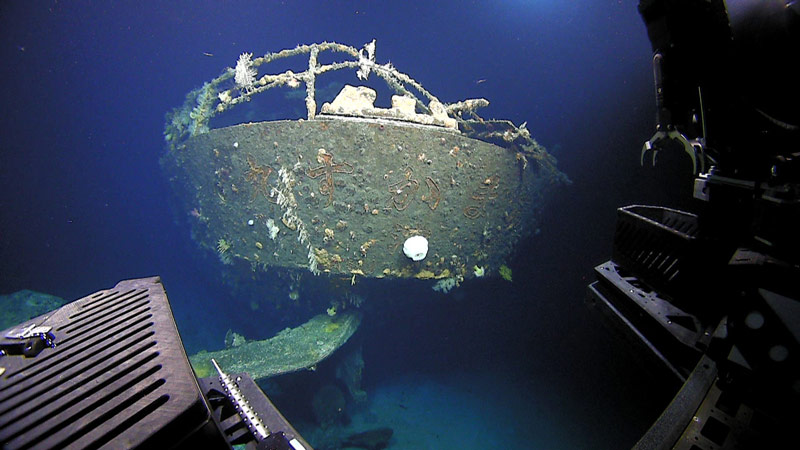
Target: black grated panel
<point x="118" y="377"/>
<point x="663" y="247"/>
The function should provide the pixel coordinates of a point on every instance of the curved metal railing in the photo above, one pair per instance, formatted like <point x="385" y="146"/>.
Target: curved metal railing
<point x="202" y="104"/>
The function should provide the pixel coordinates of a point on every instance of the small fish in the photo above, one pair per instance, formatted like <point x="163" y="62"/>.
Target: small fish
<point x="207" y="54"/>
<point x="482" y="80"/>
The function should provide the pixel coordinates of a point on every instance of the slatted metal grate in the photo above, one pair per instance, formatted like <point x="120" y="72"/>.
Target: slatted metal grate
<point x="118" y="377"/>
<point x="662" y="248"/>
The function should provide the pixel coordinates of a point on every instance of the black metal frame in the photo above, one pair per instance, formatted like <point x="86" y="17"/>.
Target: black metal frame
<point x="117" y="376"/>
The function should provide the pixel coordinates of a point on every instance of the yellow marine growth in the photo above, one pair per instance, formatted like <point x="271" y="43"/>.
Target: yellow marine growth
<point x="223" y="245"/>
<point x="331" y="311"/>
<point x="505" y="272"/>
<point x="222" y="251"/>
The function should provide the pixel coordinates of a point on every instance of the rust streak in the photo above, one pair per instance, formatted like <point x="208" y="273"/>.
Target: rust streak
<point x="328" y="168"/>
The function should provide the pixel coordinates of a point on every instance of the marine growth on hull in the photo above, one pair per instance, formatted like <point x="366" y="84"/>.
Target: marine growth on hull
<point x="341" y="190"/>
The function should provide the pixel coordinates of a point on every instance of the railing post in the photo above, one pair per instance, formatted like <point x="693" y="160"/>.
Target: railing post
<point x="311" y="104"/>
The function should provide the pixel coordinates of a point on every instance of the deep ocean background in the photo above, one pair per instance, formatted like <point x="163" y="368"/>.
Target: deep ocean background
<point x="84" y="203"/>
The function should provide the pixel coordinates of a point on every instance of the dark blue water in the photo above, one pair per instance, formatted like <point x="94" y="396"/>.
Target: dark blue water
<point x="84" y="204"/>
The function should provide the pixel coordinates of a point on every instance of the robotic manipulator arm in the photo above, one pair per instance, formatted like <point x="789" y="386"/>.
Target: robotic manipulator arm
<point x="727" y="88"/>
<point x="726" y="84"/>
<point x="714" y="296"/>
